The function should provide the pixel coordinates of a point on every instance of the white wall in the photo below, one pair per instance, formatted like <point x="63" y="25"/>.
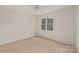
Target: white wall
<point x="78" y="28"/>
<point x="64" y="25"/>
<point x="15" y="25"/>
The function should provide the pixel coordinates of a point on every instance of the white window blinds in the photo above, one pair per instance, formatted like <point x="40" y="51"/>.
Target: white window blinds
<point x="47" y="24"/>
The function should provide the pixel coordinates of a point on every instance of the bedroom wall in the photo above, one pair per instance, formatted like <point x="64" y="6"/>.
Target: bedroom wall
<point x="78" y="28"/>
<point x="15" y="25"/>
<point x="64" y="25"/>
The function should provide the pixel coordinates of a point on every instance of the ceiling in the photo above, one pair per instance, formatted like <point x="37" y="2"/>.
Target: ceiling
<point x="42" y="9"/>
<point x="49" y="8"/>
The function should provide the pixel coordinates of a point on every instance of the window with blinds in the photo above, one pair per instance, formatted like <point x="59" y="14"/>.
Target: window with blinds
<point x="47" y="24"/>
<point x="50" y="24"/>
<point x="43" y="26"/>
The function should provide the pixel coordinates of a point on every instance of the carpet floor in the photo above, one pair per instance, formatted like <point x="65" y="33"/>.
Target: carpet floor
<point x="36" y="45"/>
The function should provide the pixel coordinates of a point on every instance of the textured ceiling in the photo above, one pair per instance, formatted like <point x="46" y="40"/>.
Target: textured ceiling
<point x="49" y="8"/>
<point x="41" y="10"/>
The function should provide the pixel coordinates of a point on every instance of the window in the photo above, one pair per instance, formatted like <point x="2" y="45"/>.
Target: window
<point x="47" y="24"/>
<point x="50" y="24"/>
<point x="43" y="26"/>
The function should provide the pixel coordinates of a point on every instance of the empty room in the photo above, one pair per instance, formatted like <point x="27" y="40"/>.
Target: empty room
<point x="39" y="29"/>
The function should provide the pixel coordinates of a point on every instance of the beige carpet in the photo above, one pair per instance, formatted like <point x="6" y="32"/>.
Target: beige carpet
<point x="36" y="45"/>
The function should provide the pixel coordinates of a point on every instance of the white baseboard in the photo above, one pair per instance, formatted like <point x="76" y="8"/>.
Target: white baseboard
<point x="6" y="42"/>
<point x="54" y="40"/>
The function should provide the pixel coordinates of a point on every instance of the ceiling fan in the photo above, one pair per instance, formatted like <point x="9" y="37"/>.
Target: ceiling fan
<point x="36" y="7"/>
